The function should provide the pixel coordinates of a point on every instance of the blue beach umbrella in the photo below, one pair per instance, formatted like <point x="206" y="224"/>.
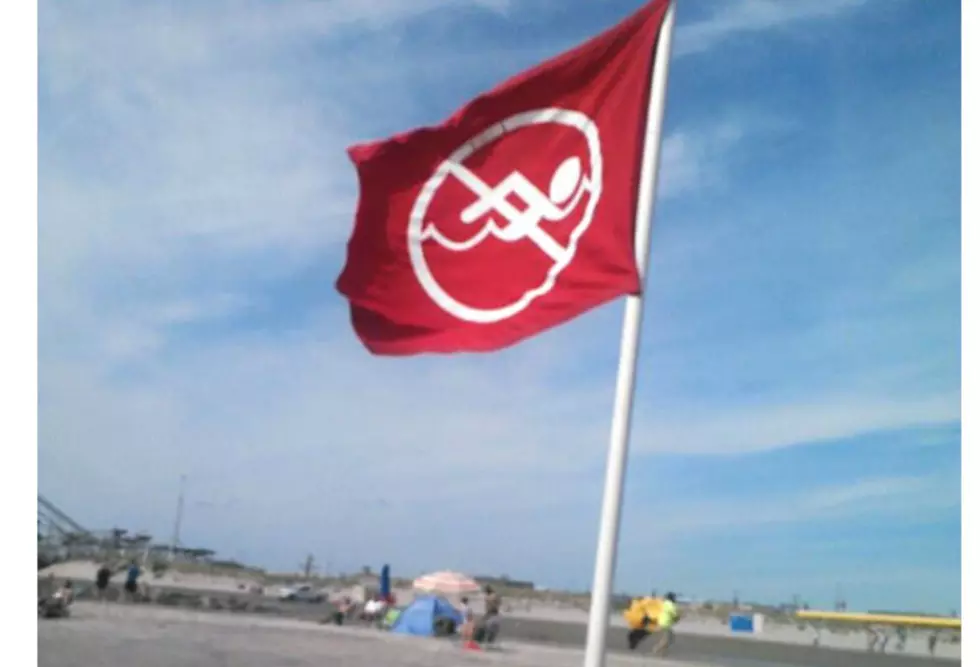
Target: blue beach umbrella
<point x="385" y="580"/>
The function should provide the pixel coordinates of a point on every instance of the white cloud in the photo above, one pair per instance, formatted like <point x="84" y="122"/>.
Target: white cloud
<point x="694" y="159"/>
<point x="866" y="491"/>
<point x="140" y="331"/>
<point x="911" y="498"/>
<point x="292" y="406"/>
<point x="774" y="425"/>
<point x="748" y="16"/>
<point x="196" y="130"/>
<point x="187" y="309"/>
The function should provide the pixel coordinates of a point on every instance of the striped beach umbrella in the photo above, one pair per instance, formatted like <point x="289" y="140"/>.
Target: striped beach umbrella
<point x="446" y="583"/>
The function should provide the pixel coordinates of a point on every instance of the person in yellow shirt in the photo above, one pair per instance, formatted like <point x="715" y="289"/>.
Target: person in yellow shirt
<point x="666" y="619"/>
<point x="641" y="618"/>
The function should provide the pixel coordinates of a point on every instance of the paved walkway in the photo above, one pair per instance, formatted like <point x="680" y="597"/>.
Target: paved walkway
<point x="123" y="636"/>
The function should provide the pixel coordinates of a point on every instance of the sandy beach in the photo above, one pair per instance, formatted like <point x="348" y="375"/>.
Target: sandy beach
<point x="123" y="636"/>
<point x="699" y="639"/>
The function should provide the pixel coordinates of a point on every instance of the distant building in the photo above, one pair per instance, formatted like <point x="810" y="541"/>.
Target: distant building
<point x="369" y="581"/>
<point x="184" y="555"/>
<point x="504" y="581"/>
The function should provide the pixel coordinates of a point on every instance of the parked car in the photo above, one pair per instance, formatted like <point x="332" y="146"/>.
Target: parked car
<point x="302" y="593"/>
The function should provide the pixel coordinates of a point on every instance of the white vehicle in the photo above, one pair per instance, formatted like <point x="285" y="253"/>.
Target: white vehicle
<point x="301" y="593"/>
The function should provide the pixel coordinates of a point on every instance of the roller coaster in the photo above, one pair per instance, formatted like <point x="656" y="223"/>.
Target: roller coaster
<point x="898" y="620"/>
<point x="58" y="533"/>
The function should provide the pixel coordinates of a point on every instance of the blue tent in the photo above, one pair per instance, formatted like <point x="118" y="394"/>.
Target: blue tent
<point x="420" y="616"/>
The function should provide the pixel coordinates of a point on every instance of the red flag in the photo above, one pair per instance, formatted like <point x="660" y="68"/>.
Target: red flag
<point x="513" y="216"/>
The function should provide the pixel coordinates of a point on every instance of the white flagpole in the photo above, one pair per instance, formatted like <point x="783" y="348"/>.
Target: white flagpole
<point x="612" y="501"/>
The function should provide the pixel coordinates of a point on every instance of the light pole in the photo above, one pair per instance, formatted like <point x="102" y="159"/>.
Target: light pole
<point x="177" y="519"/>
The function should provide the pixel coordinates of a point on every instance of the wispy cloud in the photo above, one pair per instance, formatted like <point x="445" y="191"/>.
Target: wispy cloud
<point x="200" y="133"/>
<point x="914" y="498"/>
<point x="181" y="311"/>
<point x="753" y="16"/>
<point x="137" y="332"/>
<point x="775" y="425"/>
<point x="694" y="159"/>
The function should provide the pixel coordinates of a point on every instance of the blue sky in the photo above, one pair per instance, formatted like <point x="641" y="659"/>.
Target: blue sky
<point x="797" y="426"/>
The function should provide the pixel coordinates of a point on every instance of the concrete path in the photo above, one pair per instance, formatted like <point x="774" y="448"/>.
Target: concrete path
<point x="126" y="635"/>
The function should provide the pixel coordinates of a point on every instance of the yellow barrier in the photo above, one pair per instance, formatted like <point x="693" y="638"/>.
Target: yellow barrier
<point x="882" y="619"/>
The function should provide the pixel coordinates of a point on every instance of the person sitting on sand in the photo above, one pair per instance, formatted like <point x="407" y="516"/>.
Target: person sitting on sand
<point x="344" y="607"/>
<point x="67" y="592"/>
<point x="373" y="609"/>
<point x="339" y="612"/>
<point x="57" y="604"/>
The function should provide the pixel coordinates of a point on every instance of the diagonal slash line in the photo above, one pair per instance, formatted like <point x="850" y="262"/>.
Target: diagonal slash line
<point x="538" y="236"/>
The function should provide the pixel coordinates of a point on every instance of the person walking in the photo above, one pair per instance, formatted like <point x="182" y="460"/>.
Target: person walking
<point x="102" y="578"/>
<point x="665" y="624"/>
<point x="132" y="581"/>
<point x="641" y="619"/>
<point x="489" y="625"/>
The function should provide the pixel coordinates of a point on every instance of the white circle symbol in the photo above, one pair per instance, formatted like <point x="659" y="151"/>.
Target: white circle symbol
<point x="569" y="185"/>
